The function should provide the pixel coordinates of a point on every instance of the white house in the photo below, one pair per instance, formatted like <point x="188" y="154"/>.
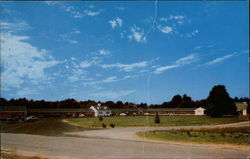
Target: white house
<point x="199" y="111"/>
<point x="101" y="110"/>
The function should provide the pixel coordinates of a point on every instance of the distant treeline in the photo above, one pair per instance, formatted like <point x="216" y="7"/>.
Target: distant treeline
<point x="178" y="101"/>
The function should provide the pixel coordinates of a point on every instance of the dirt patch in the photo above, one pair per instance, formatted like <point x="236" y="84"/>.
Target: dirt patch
<point x="43" y="126"/>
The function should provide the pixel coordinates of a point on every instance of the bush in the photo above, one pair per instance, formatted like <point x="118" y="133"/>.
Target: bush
<point x="157" y="119"/>
<point x="112" y="125"/>
<point x="103" y="125"/>
<point x="100" y="118"/>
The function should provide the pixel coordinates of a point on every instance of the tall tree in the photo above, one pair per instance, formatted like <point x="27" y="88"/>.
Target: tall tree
<point x="176" y="100"/>
<point x="219" y="102"/>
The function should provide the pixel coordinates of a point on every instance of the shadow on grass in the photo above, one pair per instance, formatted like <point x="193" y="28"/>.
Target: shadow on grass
<point x="43" y="126"/>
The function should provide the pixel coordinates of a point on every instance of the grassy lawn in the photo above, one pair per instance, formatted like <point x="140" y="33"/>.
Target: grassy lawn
<point x="218" y="135"/>
<point x="141" y="121"/>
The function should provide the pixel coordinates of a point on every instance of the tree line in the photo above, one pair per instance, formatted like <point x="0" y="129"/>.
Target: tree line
<point x="216" y="104"/>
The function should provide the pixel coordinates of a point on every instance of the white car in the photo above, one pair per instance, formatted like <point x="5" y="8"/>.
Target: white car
<point x="81" y="116"/>
<point x="123" y="114"/>
<point x="31" y="118"/>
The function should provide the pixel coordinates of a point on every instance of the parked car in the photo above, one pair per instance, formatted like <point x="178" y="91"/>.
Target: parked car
<point x="81" y="116"/>
<point x="31" y="118"/>
<point x="123" y="114"/>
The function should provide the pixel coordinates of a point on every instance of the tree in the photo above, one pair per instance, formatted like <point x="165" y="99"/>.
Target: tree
<point x="157" y="118"/>
<point x="176" y="100"/>
<point x="219" y="102"/>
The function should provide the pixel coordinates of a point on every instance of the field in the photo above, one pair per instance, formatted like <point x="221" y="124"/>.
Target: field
<point x="239" y="135"/>
<point x="141" y="121"/>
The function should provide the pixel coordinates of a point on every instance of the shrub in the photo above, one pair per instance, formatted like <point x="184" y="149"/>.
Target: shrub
<point x="103" y="125"/>
<point x="157" y="119"/>
<point x="100" y="118"/>
<point x="112" y="125"/>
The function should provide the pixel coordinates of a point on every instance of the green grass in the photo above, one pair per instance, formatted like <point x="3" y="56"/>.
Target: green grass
<point x="239" y="135"/>
<point x="141" y="121"/>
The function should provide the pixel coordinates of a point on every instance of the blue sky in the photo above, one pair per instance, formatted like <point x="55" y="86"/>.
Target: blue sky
<point x="129" y="51"/>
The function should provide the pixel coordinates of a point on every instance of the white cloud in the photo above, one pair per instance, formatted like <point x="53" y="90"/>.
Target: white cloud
<point x="92" y="13"/>
<point x="178" y="63"/>
<point x="116" y="22"/>
<point x="26" y="92"/>
<point x="21" y="60"/>
<point x="104" y="52"/>
<point x="14" y="26"/>
<point x="73" y="58"/>
<point x="137" y="34"/>
<point x="172" y="17"/>
<point x="164" y="68"/>
<point x="166" y="29"/>
<point x="197" y="47"/>
<point x="119" y="21"/>
<point x="126" y="67"/>
<point x="193" y="33"/>
<point x="108" y="80"/>
<point x="220" y="59"/>
<point x="85" y="64"/>
<point x="112" y="95"/>
<point x="113" y="23"/>
<point x="186" y="60"/>
<point x="74" y="11"/>
<point x="76" y="31"/>
<point x="73" y="41"/>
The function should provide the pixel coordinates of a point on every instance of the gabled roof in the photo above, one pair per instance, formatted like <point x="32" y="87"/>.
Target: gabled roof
<point x="200" y="108"/>
<point x="101" y="108"/>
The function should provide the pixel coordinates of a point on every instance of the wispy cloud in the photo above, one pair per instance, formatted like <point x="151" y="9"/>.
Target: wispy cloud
<point x="112" y="95"/>
<point x="137" y="34"/>
<point x="75" y="12"/>
<point x="67" y="38"/>
<point x="91" y="13"/>
<point x="175" y="19"/>
<point x="76" y="31"/>
<point x="220" y="59"/>
<point x="166" y="29"/>
<point x="21" y="61"/>
<point x="26" y="92"/>
<point x="14" y="26"/>
<point x="116" y="22"/>
<point x="172" y="17"/>
<point x="73" y="41"/>
<point x="85" y="64"/>
<point x="104" y="52"/>
<point x="193" y="33"/>
<point x="178" y="63"/>
<point x="108" y="80"/>
<point x="126" y="67"/>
